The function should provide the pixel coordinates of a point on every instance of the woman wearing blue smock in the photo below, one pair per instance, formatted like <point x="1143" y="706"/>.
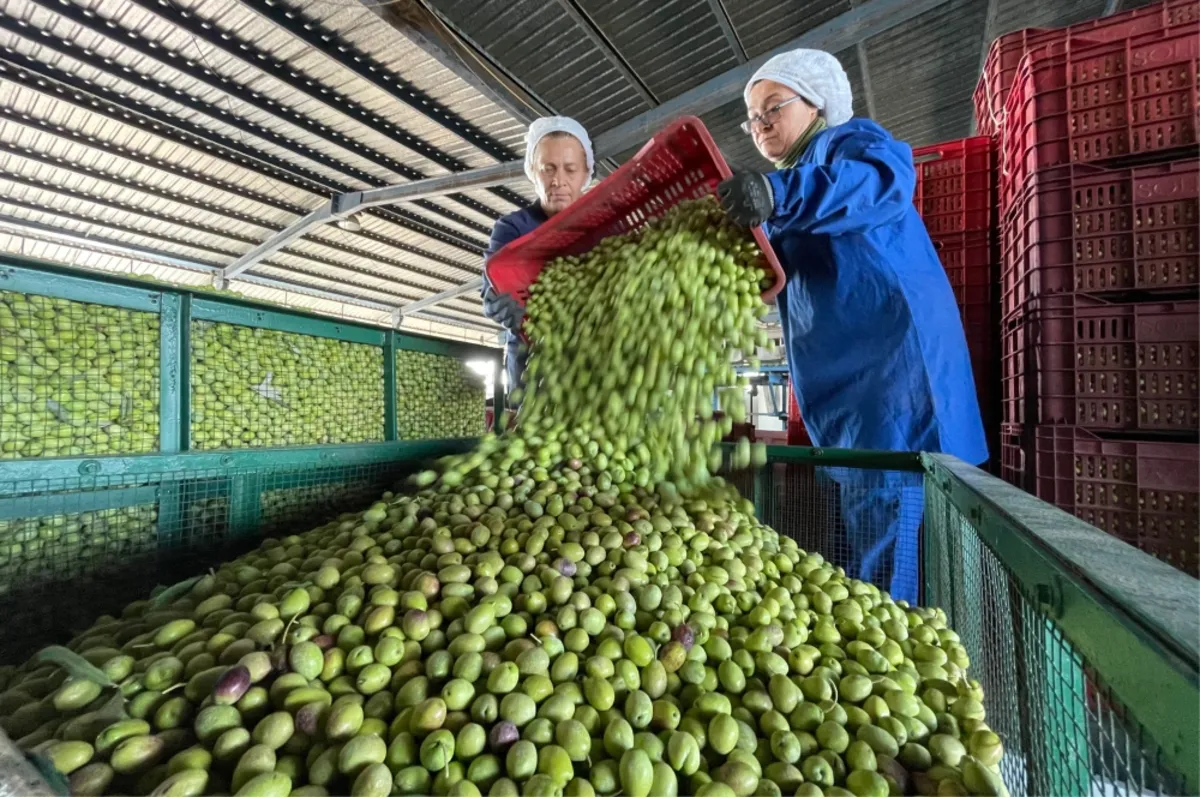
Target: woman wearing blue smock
<point x="875" y="346"/>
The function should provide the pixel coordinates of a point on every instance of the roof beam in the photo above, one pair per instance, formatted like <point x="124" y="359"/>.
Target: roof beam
<point x="607" y="49"/>
<point x="427" y="30"/>
<point x="202" y="178"/>
<point x="726" y="24"/>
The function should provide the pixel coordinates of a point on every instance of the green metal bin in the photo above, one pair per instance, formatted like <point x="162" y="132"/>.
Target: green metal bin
<point x="1087" y="649"/>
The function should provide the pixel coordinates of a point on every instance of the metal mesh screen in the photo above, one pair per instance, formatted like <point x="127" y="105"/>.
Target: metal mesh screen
<point x="437" y="397"/>
<point x="866" y="521"/>
<point x="76" y="379"/>
<point x="74" y="549"/>
<point x="1063" y="731"/>
<point x="263" y="388"/>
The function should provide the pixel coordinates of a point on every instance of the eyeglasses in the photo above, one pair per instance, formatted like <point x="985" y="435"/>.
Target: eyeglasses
<point x="767" y="117"/>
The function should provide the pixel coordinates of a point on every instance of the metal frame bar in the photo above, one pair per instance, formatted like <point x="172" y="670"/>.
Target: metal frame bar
<point x="727" y="27"/>
<point x="346" y="204"/>
<point x="96" y="243"/>
<point x="214" y="464"/>
<point x="609" y="50"/>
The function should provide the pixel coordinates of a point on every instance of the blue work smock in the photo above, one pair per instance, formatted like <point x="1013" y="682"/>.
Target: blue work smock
<point x="875" y="344"/>
<point x="507" y="229"/>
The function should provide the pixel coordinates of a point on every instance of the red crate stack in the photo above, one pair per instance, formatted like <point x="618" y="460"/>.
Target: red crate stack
<point x="957" y="199"/>
<point x="1099" y="201"/>
<point x="1006" y="52"/>
<point x="797" y="432"/>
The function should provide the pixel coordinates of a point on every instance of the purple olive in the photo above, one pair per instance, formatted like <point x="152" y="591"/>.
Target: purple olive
<point x="502" y="736"/>
<point x="232" y="685"/>
<point x="632" y="539"/>
<point x="565" y="566"/>
<point x="575" y="464"/>
<point x="307" y="718"/>
<point x="324" y="641"/>
<point x="684" y="635"/>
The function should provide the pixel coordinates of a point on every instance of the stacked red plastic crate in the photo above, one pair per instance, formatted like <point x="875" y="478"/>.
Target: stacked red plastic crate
<point x="797" y="433"/>
<point x="1100" y="246"/>
<point x="957" y="198"/>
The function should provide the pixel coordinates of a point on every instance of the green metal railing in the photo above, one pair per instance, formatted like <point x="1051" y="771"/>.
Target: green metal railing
<point x="180" y="309"/>
<point x="1088" y="649"/>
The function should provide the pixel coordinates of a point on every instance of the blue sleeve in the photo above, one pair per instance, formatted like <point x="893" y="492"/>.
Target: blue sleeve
<point x="868" y="183"/>
<point x="503" y="232"/>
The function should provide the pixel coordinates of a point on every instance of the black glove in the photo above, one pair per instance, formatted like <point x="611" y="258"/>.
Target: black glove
<point x="747" y="198"/>
<point x="504" y="309"/>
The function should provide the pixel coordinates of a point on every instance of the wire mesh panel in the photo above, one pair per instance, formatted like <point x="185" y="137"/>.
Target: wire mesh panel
<point x="65" y="549"/>
<point x="1063" y="731"/>
<point x="256" y="387"/>
<point x="437" y="397"/>
<point x="76" y="378"/>
<point x="866" y="521"/>
<point x="312" y="498"/>
<point x="74" y="549"/>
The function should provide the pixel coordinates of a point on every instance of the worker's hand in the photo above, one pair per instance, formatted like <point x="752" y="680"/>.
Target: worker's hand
<point x="504" y="309"/>
<point x="747" y="198"/>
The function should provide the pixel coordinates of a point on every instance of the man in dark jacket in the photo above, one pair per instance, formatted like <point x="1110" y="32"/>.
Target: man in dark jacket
<point x="559" y="163"/>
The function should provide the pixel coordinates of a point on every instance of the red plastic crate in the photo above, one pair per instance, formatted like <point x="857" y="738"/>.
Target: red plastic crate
<point x="1073" y="102"/>
<point x="1145" y="493"/>
<point x="1079" y="361"/>
<point x="680" y="163"/>
<point x="955" y="189"/>
<point x="969" y="259"/>
<point x="1085" y="229"/>
<point x="1015" y="465"/>
<point x="1006" y="52"/>
<point x="797" y="432"/>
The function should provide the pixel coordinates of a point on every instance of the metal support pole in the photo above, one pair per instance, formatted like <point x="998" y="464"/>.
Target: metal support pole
<point x="346" y="204"/>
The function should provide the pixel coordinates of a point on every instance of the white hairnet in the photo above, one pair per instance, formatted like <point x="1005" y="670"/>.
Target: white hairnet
<point x="556" y="124"/>
<point x="816" y="76"/>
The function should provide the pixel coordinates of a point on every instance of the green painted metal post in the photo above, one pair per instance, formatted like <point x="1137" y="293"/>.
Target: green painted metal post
<point x="245" y="505"/>
<point x="174" y="415"/>
<point x="174" y="369"/>
<point x="390" y="431"/>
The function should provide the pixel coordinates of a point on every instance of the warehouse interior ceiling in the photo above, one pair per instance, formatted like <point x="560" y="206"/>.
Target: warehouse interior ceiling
<point x="169" y="138"/>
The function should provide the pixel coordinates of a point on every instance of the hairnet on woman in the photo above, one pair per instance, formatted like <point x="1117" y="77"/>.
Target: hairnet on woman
<point x="559" y="162"/>
<point x="875" y="346"/>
